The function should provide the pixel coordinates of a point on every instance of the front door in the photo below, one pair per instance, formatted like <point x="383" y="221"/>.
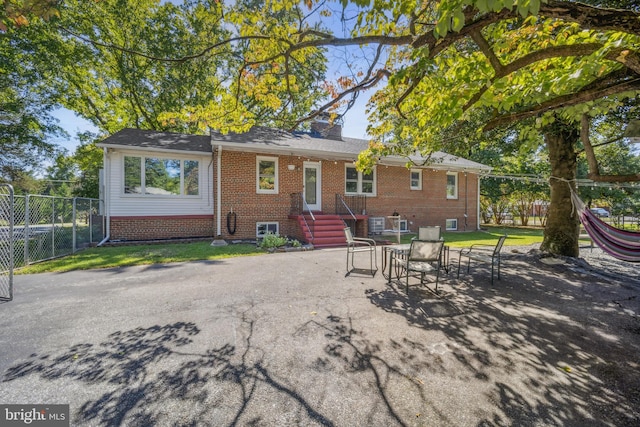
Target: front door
<point x="312" y="186"/>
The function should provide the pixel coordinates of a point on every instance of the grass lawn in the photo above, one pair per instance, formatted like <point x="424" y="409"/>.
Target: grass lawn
<point x="489" y="236"/>
<point x="122" y="256"/>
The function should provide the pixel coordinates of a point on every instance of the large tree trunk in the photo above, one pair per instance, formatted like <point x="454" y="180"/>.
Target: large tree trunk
<point x="563" y="227"/>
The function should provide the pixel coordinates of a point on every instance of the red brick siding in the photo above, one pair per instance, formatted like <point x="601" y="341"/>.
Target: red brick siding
<point x="428" y="206"/>
<point x="161" y="227"/>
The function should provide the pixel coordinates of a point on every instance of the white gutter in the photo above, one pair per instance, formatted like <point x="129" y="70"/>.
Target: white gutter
<point x="132" y="148"/>
<point x="106" y="193"/>
<point x="219" y="191"/>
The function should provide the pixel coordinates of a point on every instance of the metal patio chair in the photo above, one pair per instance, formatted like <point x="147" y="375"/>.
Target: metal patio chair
<point x="483" y="254"/>
<point x="360" y="244"/>
<point x="425" y="256"/>
<point x="429" y="233"/>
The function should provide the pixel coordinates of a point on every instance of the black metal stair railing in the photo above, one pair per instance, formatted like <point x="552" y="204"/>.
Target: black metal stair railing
<point x="351" y="205"/>
<point x="298" y="208"/>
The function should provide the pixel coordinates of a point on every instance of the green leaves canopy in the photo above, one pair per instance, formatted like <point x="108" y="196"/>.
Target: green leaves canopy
<point x="155" y="65"/>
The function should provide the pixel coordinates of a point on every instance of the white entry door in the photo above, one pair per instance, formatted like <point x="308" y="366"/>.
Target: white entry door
<point x="312" y="186"/>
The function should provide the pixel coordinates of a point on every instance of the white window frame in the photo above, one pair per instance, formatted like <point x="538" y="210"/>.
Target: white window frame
<point x="275" y="182"/>
<point x="451" y="224"/>
<point x="360" y="175"/>
<point x="143" y="193"/>
<point x="419" y="172"/>
<point x="267" y="224"/>
<point x="455" y="188"/>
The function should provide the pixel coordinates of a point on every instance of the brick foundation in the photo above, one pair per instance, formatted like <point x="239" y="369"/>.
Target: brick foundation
<point x="161" y="227"/>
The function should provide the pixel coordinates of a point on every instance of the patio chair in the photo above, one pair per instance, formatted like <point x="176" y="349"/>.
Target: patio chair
<point x="483" y="254"/>
<point x="425" y="256"/>
<point x="429" y="233"/>
<point x="360" y="244"/>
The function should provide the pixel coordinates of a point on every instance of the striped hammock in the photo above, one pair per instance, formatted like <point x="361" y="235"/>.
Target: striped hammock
<point x="620" y="244"/>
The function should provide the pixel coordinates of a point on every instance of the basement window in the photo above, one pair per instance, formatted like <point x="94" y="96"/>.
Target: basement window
<point x="264" y="228"/>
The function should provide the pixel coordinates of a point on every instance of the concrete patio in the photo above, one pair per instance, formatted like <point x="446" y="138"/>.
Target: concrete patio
<point x="286" y="339"/>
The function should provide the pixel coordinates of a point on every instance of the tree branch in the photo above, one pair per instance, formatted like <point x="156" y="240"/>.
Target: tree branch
<point x="532" y="58"/>
<point x="487" y="51"/>
<point x="614" y="178"/>
<point x="588" y="148"/>
<point x="589" y="93"/>
<point x="364" y="85"/>
<point x="594" y="18"/>
<point x="156" y="58"/>
<point x="628" y="58"/>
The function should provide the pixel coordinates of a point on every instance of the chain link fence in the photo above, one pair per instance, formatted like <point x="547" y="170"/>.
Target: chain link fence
<point x="46" y="227"/>
<point x="7" y="259"/>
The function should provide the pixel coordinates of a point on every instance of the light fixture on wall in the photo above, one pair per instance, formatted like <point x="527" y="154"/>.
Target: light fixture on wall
<point x="291" y="167"/>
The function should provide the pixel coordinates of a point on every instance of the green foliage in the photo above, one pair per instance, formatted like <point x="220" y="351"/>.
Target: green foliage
<point x="156" y="65"/>
<point x="26" y="124"/>
<point x="60" y="176"/>
<point x="17" y="13"/>
<point x="272" y="241"/>
<point x="88" y="160"/>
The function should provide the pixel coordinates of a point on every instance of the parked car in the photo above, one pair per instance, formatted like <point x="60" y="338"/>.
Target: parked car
<point x="601" y="212"/>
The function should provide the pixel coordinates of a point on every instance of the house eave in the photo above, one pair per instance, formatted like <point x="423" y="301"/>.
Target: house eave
<point x="153" y="149"/>
<point x="284" y="151"/>
<point x="436" y="166"/>
<point x="270" y="149"/>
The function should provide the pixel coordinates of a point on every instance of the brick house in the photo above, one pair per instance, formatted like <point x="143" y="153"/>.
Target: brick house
<point x="160" y="185"/>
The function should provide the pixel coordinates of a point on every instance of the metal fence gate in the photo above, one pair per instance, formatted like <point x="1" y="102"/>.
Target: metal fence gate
<point x="36" y="228"/>
<point x="7" y="246"/>
<point x="48" y="227"/>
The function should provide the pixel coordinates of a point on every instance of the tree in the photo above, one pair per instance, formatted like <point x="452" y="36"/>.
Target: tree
<point x="26" y="124"/>
<point x="60" y="176"/>
<point x="88" y="160"/>
<point x="122" y="87"/>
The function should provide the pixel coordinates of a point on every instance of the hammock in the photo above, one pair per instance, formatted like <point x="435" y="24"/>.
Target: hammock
<point x="620" y="244"/>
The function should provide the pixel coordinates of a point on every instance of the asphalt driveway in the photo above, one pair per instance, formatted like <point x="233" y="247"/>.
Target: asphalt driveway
<point x="286" y="339"/>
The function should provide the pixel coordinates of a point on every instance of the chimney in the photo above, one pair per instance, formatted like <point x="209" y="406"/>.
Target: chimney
<point x="322" y="126"/>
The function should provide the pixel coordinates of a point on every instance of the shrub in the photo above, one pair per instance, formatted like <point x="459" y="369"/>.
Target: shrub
<point x="271" y="240"/>
<point x="295" y="243"/>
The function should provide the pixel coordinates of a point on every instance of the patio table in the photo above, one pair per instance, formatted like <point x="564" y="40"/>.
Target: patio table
<point x="394" y="257"/>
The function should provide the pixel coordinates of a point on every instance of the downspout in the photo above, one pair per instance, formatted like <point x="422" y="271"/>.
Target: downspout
<point x="466" y="200"/>
<point x="219" y="191"/>
<point x="478" y="204"/>
<point x="106" y="193"/>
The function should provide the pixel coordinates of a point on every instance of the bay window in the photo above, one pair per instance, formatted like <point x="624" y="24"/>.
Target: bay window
<point x="158" y="176"/>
